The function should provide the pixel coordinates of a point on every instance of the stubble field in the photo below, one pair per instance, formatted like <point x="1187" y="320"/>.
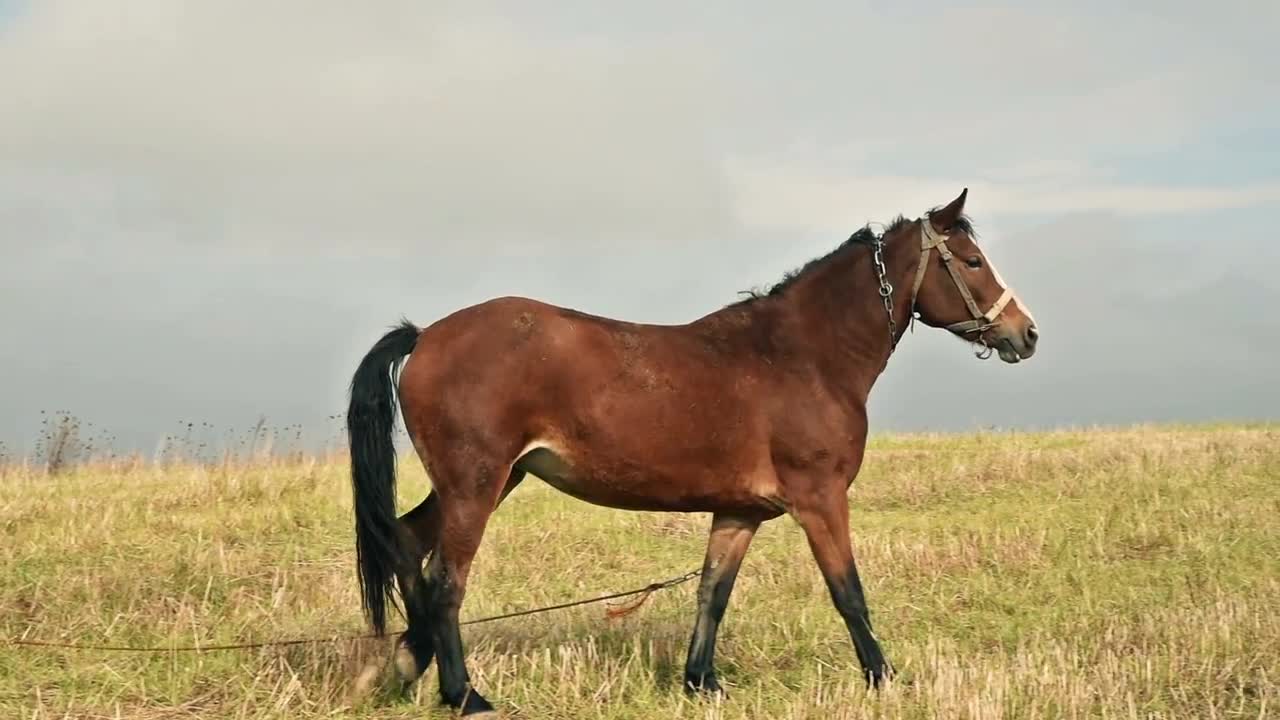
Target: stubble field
<point x="1109" y="573"/>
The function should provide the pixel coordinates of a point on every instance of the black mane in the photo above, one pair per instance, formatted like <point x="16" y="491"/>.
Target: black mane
<point x="862" y="237"/>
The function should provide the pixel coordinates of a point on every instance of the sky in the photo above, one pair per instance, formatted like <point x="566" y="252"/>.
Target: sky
<point x="210" y="210"/>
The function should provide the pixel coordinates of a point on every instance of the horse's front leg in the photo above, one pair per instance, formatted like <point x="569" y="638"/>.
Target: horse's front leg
<point x="825" y="519"/>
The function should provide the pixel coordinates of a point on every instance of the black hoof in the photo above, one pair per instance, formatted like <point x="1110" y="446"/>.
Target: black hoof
<point x="704" y="685"/>
<point x="475" y="706"/>
<point x="877" y="678"/>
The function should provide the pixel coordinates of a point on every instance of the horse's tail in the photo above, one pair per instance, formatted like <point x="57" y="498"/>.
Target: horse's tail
<point x="370" y="423"/>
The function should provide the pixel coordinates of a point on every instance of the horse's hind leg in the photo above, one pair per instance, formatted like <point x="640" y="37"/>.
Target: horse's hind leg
<point x="468" y="496"/>
<point x="420" y="533"/>
<point x="727" y="545"/>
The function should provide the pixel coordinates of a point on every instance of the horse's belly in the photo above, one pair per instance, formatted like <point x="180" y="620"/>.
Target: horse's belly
<point x="585" y="482"/>
<point x="629" y="487"/>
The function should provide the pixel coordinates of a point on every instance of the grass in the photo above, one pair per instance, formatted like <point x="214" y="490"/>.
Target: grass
<point x="1118" y="573"/>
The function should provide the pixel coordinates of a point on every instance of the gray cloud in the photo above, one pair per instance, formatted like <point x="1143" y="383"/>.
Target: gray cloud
<point x="318" y="124"/>
<point x="211" y="209"/>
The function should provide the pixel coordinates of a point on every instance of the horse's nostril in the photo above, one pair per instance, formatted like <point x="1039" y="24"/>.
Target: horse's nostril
<point x="1032" y="333"/>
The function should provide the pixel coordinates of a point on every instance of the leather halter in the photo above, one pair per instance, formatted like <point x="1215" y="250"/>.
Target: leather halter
<point x="930" y="239"/>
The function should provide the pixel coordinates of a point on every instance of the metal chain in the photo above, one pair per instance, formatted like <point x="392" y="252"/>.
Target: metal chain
<point x="886" y="291"/>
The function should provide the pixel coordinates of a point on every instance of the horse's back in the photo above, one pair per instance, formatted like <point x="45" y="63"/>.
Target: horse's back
<point x="525" y="349"/>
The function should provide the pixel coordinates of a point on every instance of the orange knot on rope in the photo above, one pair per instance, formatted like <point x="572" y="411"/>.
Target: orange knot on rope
<point x="616" y="611"/>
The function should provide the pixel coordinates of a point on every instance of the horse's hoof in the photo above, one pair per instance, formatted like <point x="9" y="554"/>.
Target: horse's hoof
<point x="705" y="686"/>
<point x="880" y="677"/>
<point x="411" y="662"/>
<point x="366" y="681"/>
<point x="476" y="707"/>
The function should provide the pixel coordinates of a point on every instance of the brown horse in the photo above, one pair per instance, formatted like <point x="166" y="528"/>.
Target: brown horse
<point x="754" y="411"/>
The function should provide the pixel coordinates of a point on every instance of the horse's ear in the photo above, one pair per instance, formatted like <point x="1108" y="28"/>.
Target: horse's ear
<point x="945" y="217"/>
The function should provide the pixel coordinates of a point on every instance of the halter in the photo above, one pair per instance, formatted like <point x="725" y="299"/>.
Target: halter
<point x="930" y="239"/>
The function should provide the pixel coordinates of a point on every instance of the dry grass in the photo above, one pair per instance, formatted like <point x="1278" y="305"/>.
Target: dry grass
<point x="1130" y="574"/>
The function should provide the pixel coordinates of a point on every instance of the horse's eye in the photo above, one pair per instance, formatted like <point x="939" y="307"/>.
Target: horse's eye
<point x="974" y="262"/>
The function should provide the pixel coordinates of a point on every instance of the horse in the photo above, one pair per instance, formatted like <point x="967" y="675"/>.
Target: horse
<point x="751" y="412"/>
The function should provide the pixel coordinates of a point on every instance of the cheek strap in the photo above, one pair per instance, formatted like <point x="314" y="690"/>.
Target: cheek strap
<point x="930" y="239"/>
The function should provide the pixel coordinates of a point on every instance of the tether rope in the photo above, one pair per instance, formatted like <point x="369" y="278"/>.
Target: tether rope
<point x="644" y="592"/>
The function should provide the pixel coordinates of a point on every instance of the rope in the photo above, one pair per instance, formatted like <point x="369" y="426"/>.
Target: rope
<point x="644" y="592"/>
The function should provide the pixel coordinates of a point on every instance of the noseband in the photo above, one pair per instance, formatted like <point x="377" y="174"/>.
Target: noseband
<point x="929" y="240"/>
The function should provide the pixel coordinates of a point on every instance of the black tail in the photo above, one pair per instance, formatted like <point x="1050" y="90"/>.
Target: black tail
<point x="370" y="423"/>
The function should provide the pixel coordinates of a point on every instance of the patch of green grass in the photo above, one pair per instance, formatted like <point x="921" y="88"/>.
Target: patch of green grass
<point x="1102" y="573"/>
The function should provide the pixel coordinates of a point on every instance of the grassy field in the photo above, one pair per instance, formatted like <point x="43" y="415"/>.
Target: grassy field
<point x="1131" y="573"/>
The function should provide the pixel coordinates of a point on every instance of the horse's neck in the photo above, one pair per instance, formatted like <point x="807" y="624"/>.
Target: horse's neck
<point x="843" y="318"/>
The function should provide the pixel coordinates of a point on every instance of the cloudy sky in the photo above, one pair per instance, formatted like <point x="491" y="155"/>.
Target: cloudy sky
<point x="209" y="210"/>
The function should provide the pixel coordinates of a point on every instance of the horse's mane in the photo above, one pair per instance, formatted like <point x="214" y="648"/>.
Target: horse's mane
<point x="862" y="237"/>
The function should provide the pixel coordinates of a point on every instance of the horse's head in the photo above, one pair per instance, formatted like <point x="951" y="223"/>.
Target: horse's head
<point x="958" y="288"/>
